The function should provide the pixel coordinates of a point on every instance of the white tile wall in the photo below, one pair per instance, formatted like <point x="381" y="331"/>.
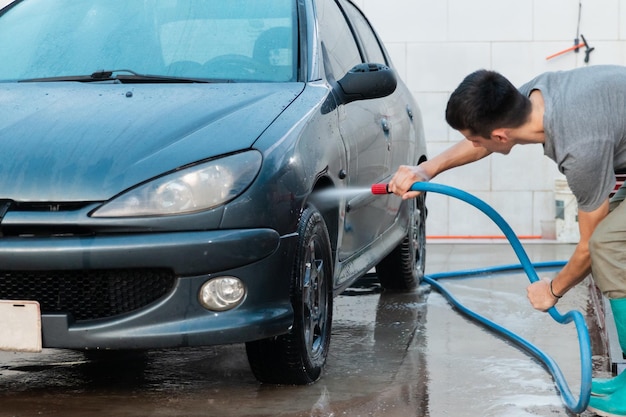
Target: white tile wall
<point x="435" y="44"/>
<point x="489" y="20"/>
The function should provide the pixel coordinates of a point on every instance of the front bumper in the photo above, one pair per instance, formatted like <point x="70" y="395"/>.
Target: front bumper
<point x="256" y="256"/>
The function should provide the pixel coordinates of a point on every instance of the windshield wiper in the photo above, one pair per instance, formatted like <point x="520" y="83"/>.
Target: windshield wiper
<point x="130" y="77"/>
<point x="107" y="75"/>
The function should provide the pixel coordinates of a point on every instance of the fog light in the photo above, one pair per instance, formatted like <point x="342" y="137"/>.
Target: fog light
<point x="223" y="293"/>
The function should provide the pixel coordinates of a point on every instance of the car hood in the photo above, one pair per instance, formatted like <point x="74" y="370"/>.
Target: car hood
<point x="90" y="141"/>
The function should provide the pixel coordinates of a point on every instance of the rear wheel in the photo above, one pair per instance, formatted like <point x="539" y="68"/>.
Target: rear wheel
<point x="299" y="356"/>
<point x="403" y="268"/>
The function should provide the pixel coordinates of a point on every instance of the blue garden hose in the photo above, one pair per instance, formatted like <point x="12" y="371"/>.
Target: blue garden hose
<point x="576" y="406"/>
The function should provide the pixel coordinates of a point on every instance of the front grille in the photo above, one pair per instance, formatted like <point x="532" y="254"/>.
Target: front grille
<point x="45" y="213"/>
<point x="87" y="295"/>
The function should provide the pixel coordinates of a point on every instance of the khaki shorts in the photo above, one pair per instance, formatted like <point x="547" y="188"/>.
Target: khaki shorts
<point x="608" y="249"/>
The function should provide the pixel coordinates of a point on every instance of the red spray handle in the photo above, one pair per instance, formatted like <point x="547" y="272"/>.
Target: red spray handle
<point x="381" y="188"/>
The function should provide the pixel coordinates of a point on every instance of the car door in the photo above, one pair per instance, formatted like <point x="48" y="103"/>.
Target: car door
<point x="364" y="128"/>
<point x="400" y="107"/>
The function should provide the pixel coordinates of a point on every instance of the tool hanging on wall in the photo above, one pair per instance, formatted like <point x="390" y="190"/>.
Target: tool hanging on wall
<point x="577" y="44"/>
<point x="575" y="48"/>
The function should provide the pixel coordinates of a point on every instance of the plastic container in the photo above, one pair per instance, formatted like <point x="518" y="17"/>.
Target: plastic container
<point x="566" y="219"/>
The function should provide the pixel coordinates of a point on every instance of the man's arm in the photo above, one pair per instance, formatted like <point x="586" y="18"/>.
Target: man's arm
<point x="576" y="269"/>
<point x="464" y="152"/>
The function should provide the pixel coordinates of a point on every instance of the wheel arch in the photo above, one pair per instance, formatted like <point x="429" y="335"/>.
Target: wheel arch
<point x="329" y="212"/>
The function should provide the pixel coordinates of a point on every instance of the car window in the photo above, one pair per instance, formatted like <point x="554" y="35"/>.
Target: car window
<point x="366" y="34"/>
<point x="340" y="49"/>
<point x="238" y="39"/>
<point x="241" y="40"/>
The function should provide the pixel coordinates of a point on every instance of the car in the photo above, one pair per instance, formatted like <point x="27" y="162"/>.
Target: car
<point x="183" y="173"/>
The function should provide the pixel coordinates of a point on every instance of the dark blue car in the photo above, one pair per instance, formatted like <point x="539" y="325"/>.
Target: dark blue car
<point x="187" y="172"/>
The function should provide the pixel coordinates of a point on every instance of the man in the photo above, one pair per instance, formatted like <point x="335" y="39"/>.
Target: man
<point x="579" y="117"/>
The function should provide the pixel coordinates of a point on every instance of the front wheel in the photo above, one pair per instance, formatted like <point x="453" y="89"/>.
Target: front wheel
<point x="403" y="268"/>
<point x="298" y="357"/>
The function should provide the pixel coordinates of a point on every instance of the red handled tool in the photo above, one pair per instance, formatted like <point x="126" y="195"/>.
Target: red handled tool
<point x="588" y="49"/>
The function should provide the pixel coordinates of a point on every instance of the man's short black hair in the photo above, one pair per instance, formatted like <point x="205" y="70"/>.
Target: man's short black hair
<point x="485" y="101"/>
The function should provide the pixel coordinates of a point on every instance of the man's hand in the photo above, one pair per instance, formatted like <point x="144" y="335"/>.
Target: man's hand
<point x="404" y="178"/>
<point x="540" y="296"/>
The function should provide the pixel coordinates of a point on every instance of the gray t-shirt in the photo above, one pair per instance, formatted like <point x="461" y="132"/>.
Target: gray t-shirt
<point x="585" y="127"/>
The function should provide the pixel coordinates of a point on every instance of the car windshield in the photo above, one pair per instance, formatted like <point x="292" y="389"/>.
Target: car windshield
<point x="230" y="40"/>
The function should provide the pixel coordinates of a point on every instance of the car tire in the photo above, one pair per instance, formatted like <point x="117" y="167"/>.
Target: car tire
<point x="403" y="268"/>
<point x="298" y="357"/>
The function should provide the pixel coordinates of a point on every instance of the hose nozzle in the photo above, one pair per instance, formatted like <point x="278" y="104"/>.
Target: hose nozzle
<point x="378" y="189"/>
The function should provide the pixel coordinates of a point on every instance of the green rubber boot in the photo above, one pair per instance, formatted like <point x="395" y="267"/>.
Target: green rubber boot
<point x="611" y="405"/>
<point x="608" y="397"/>
<point x="606" y="386"/>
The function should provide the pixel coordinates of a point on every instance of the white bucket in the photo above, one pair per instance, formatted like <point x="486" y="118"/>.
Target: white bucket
<point x="566" y="222"/>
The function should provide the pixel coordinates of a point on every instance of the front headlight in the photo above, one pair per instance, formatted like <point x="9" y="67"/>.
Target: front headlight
<point x="195" y="188"/>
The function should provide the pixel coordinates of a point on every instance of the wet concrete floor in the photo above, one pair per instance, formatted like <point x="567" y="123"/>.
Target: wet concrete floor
<point x="391" y="354"/>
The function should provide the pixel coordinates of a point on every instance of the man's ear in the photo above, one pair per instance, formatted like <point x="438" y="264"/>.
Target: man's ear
<point x="500" y="135"/>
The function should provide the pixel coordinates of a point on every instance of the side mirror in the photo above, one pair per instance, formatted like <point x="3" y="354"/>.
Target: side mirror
<point x="367" y="81"/>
